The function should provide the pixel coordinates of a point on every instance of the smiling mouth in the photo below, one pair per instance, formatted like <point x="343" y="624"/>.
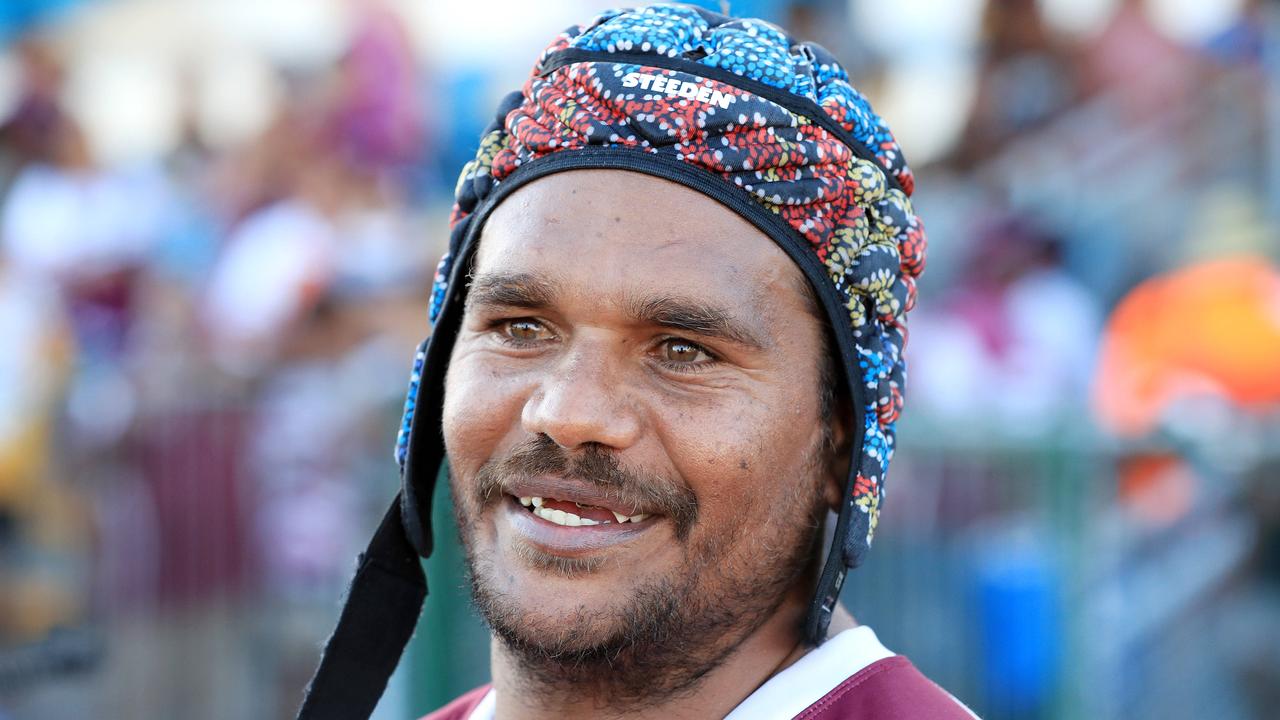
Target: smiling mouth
<point x="573" y="514"/>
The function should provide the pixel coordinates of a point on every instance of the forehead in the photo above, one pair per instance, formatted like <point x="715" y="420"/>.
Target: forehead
<point x="611" y="232"/>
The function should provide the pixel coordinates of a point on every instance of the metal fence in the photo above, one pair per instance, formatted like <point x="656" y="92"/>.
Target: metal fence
<point x="1043" y="580"/>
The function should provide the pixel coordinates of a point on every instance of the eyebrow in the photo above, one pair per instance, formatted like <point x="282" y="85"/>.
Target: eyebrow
<point x="693" y="316"/>
<point x="522" y="290"/>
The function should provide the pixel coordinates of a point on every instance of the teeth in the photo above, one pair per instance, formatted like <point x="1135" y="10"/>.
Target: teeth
<point x="560" y="517"/>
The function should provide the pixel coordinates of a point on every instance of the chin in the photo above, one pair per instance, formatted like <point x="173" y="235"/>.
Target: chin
<point x="555" y="609"/>
<point x="630" y="622"/>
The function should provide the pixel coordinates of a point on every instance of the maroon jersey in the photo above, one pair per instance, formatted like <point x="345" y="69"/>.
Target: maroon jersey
<point x="849" y="676"/>
<point x="890" y="689"/>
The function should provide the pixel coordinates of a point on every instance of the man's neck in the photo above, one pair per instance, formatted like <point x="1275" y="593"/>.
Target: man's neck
<point x="768" y="650"/>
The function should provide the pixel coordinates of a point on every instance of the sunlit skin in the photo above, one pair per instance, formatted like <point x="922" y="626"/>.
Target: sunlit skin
<point x="729" y="410"/>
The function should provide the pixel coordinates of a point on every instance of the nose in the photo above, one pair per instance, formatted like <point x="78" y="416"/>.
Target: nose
<point x="583" y="399"/>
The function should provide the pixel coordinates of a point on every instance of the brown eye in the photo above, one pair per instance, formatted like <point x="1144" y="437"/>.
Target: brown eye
<point x="525" y="330"/>
<point x="682" y="351"/>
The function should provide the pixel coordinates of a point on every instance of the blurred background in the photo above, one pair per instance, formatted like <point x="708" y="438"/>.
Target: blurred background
<point x="218" y="222"/>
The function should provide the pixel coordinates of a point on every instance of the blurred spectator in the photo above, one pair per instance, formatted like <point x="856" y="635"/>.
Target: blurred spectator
<point x="1207" y="331"/>
<point x="376" y="123"/>
<point x="1133" y="63"/>
<point x="277" y="260"/>
<point x="37" y="520"/>
<point x="1026" y="77"/>
<point x="1014" y="339"/>
<point x="27" y="134"/>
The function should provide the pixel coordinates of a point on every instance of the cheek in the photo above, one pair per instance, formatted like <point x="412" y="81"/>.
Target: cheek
<point x="748" y="451"/>
<point x="481" y="411"/>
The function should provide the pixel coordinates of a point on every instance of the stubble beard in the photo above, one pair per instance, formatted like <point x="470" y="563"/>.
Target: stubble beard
<point x="668" y="633"/>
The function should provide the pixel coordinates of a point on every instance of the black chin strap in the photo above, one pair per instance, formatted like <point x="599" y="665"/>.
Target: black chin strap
<point x="378" y="619"/>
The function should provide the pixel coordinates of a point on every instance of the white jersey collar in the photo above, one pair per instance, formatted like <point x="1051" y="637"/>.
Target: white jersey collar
<point x="788" y="693"/>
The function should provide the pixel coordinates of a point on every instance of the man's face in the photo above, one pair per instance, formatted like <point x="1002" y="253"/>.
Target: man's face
<point x="632" y="348"/>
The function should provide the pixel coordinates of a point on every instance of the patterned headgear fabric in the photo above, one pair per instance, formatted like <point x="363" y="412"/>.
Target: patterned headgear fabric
<point x="775" y="118"/>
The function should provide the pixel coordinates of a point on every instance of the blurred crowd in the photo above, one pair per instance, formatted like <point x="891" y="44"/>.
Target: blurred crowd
<point x="203" y="348"/>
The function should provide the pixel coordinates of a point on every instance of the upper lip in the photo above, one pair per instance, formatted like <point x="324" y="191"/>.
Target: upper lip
<point x="574" y="491"/>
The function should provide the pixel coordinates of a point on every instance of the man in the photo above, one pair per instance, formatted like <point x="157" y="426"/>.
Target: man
<point x="667" y="350"/>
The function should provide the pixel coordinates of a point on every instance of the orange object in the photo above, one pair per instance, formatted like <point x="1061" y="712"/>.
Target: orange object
<point x="1210" y="328"/>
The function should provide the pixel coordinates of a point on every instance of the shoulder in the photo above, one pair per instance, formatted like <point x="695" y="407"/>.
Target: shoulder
<point x="462" y="707"/>
<point x="888" y="688"/>
<point x="851" y="675"/>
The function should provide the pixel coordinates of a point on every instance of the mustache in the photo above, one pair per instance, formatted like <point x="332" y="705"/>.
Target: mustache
<point x="594" y="465"/>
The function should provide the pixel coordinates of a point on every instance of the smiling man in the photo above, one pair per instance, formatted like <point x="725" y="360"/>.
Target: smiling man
<point x="665" y="371"/>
